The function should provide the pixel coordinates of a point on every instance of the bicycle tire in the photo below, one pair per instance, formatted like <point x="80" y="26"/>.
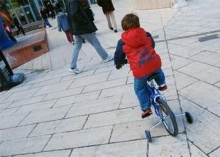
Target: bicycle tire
<point x="168" y="117"/>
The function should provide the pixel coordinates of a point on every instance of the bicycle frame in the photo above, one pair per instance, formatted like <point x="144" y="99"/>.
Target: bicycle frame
<point x="155" y="94"/>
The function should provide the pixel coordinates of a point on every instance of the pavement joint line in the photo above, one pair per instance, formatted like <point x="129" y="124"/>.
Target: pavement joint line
<point x="204" y="108"/>
<point x="183" y="37"/>
<point x="188" y="36"/>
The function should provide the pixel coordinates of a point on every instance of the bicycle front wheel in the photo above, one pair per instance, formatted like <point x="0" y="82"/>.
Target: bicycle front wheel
<point x="168" y="118"/>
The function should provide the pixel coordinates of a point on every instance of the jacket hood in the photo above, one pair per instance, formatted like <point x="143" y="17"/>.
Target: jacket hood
<point x="134" y="37"/>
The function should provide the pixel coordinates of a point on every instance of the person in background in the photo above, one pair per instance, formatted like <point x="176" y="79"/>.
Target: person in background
<point x="83" y="28"/>
<point x="44" y="16"/>
<point x="108" y="10"/>
<point x="63" y="25"/>
<point x="8" y="32"/>
<point x="51" y="10"/>
<point x="137" y="46"/>
<point x="17" y="25"/>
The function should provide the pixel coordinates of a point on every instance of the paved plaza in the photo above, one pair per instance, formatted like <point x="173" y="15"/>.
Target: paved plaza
<point x="54" y="113"/>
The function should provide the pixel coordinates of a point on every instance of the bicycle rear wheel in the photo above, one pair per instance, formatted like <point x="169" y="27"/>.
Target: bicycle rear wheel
<point x="168" y="118"/>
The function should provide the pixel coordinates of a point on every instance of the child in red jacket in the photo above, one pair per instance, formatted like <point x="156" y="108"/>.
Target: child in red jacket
<point x="137" y="46"/>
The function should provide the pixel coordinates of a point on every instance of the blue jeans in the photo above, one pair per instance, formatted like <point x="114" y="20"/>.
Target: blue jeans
<point x="46" y="23"/>
<point x="141" y="90"/>
<point x="91" y="38"/>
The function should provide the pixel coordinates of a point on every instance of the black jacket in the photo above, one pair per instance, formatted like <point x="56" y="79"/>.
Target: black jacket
<point x="107" y="5"/>
<point x="79" y="21"/>
<point x="16" y="22"/>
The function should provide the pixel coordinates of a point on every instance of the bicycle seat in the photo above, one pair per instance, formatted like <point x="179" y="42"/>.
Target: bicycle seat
<point x="151" y="77"/>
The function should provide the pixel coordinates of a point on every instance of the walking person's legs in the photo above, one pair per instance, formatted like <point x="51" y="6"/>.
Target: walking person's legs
<point x="91" y="38"/>
<point x="47" y="23"/>
<point x="76" y="49"/>
<point x="114" y="25"/>
<point x="22" y="30"/>
<point x="109" y="20"/>
<point x="18" y="30"/>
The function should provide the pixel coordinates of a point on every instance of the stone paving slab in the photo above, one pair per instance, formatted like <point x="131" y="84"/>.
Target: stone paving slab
<point x="36" y="106"/>
<point x="16" y="133"/>
<point x="77" y="98"/>
<point x="63" y="153"/>
<point x="96" y="113"/>
<point x="82" y="138"/>
<point x="26" y="94"/>
<point x="26" y="101"/>
<point x="94" y="106"/>
<point x="200" y="70"/>
<point x="22" y="146"/>
<point x="113" y="117"/>
<point x="45" y="115"/>
<point x="204" y="128"/>
<point x="59" y="126"/>
<point x="169" y="146"/>
<point x="64" y="93"/>
<point x="10" y="121"/>
<point x="128" y="149"/>
<point x="195" y="151"/>
<point x="53" y="88"/>
<point x="209" y="103"/>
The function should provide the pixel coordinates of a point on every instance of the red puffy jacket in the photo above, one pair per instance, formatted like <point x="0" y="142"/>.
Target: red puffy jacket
<point x="142" y="57"/>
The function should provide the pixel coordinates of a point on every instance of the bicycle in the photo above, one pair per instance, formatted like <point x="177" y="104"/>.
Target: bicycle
<point x="163" y="111"/>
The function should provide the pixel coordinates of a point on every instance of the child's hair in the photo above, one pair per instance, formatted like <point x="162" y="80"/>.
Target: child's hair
<point x="130" y="21"/>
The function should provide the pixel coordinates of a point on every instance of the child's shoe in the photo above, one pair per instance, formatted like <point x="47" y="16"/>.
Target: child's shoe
<point x="162" y="87"/>
<point x="146" y="113"/>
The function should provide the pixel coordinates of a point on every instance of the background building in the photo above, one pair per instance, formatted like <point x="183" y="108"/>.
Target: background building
<point x="27" y="11"/>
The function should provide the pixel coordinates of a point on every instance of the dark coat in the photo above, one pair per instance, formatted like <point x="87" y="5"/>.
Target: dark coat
<point x="87" y="9"/>
<point x="107" y="5"/>
<point x="79" y="21"/>
<point x="43" y="13"/>
<point x="16" y="22"/>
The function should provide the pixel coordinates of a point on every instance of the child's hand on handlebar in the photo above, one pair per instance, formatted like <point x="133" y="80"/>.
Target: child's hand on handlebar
<point x="120" y="66"/>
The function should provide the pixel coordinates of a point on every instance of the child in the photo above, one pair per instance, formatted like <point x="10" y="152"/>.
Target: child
<point x="137" y="46"/>
<point x="63" y="24"/>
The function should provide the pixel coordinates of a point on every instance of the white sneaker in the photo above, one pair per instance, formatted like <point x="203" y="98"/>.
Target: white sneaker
<point x="76" y="71"/>
<point x="108" y="59"/>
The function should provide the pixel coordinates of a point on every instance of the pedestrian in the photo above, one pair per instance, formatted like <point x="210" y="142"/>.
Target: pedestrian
<point x="108" y="10"/>
<point x="18" y="25"/>
<point x="44" y="16"/>
<point x="51" y="10"/>
<point x="63" y="25"/>
<point x="87" y="9"/>
<point x="83" y="28"/>
<point x="9" y="32"/>
<point x="137" y="46"/>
